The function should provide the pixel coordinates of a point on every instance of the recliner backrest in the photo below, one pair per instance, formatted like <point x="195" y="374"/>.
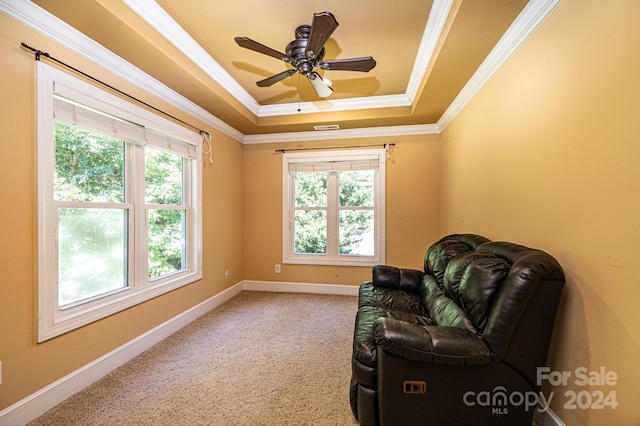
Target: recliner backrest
<point x="440" y="289"/>
<point x="533" y="273"/>
<point x="441" y="252"/>
<point x="487" y="287"/>
<point x="472" y="280"/>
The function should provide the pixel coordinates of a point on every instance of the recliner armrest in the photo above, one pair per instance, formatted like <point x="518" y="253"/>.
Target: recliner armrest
<point x="432" y="344"/>
<point x="399" y="278"/>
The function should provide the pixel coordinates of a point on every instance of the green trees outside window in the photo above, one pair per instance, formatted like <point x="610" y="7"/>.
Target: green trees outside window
<point x="356" y="216"/>
<point x="355" y="192"/>
<point x="167" y="227"/>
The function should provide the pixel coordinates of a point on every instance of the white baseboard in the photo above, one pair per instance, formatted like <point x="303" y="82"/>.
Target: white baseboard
<point x="336" y="289"/>
<point x="38" y="403"/>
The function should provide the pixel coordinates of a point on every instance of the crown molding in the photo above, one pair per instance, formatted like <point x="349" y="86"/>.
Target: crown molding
<point x="165" y="25"/>
<point x="533" y="14"/>
<point x="525" y="24"/>
<point x="325" y="105"/>
<point x="435" y="24"/>
<point x="365" y="132"/>
<point x="43" y="22"/>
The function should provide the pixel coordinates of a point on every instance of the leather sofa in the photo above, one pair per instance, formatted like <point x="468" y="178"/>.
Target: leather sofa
<point x="459" y="343"/>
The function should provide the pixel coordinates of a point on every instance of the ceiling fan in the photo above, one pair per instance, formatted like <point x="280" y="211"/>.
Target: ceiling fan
<point x="306" y="53"/>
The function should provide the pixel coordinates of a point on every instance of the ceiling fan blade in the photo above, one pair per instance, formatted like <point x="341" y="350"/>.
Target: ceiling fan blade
<point x="364" y="64"/>
<point x="247" y="43"/>
<point x="275" y="78"/>
<point x="323" y="25"/>
<point x="322" y="89"/>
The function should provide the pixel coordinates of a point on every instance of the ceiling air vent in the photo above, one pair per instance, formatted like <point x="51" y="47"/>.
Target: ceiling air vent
<point x="327" y="127"/>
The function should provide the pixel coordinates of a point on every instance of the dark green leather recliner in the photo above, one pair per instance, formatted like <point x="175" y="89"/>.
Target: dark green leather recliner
<point x="459" y="343"/>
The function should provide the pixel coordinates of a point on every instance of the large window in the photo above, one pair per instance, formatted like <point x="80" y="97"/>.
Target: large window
<point x="118" y="203"/>
<point x="333" y="207"/>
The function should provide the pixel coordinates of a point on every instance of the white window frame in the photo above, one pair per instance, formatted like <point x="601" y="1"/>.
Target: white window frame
<point x="164" y="134"/>
<point x="332" y="257"/>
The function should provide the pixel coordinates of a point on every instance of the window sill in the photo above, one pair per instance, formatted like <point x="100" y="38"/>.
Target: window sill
<point x="65" y="320"/>
<point x="350" y="261"/>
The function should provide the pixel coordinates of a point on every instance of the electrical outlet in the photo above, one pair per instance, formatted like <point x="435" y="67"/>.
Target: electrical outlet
<point x="226" y="275"/>
<point x="277" y="268"/>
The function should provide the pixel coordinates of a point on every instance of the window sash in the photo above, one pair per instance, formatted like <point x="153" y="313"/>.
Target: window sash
<point x="90" y="208"/>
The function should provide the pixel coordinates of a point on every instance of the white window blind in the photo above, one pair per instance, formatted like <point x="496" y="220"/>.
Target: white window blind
<point x="335" y="166"/>
<point x="74" y="114"/>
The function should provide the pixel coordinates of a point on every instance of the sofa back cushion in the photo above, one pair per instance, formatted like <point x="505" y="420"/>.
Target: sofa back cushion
<point x="472" y="280"/>
<point x="440" y="253"/>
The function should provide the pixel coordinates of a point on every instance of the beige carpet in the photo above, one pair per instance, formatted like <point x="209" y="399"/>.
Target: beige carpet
<point x="258" y="359"/>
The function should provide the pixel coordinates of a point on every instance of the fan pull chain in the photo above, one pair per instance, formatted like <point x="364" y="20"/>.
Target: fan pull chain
<point x="299" y="108"/>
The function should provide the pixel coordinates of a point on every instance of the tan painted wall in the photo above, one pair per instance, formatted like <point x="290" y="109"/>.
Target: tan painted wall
<point x="244" y="240"/>
<point x="413" y="181"/>
<point x="547" y="155"/>
<point x="26" y="365"/>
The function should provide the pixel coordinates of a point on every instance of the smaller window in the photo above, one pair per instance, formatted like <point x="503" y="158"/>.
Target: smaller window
<point x="333" y="207"/>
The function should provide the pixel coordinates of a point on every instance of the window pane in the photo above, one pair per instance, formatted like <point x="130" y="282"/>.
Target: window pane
<point x="310" y="232"/>
<point x="356" y="188"/>
<point x="310" y="189"/>
<point x="357" y="232"/>
<point x="163" y="177"/>
<point x="89" y="166"/>
<point x="92" y="246"/>
<point x="167" y="242"/>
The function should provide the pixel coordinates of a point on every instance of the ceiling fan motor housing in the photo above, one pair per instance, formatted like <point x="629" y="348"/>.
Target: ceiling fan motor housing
<point x="303" y="61"/>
